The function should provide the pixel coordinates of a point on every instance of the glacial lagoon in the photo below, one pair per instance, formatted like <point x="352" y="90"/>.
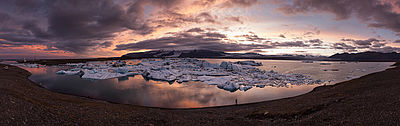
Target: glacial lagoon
<point x="138" y="90"/>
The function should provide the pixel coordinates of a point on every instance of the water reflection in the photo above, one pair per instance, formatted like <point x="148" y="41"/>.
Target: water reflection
<point x="141" y="91"/>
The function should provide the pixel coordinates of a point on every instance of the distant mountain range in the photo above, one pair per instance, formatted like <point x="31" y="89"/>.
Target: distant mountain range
<point x="367" y="56"/>
<point x="362" y="57"/>
<point x="214" y="54"/>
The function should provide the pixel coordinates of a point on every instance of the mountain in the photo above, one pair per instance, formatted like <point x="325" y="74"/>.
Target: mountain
<point x="367" y="56"/>
<point x="213" y="54"/>
<point x="176" y="54"/>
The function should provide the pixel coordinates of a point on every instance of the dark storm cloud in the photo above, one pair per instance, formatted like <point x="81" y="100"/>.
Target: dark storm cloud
<point x="73" y="25"/>
<point x="397" y="41"/>
<point x="375" y="13"/>
<point x="18" y="38"/>
<point x="4" y="17"/>
<point x="186" y="40"/>
<point x="282" y="36"/>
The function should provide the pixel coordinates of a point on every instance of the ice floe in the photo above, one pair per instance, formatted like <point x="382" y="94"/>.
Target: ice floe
<point x="251" y="63"/>
<point x="230" y="76"/>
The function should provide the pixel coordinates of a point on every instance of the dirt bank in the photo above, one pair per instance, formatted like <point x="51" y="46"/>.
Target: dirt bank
<point x="370" y="100"/>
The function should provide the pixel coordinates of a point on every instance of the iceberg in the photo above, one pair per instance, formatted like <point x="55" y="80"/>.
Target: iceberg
<point x="70" y="72"/>
<point x="230" y="76"/>
<point x="251" y="63"/>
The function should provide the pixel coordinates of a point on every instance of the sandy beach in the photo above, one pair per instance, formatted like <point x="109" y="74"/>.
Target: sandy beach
<point x="373" y="99"/>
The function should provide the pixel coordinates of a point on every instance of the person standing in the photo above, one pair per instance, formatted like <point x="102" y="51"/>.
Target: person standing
<point x="236" y="101"/>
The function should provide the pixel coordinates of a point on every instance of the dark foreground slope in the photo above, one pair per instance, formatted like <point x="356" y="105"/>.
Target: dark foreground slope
<point x="370" y="100"/>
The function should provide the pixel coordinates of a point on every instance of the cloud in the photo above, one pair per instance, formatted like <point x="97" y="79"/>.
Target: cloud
<point x="374" y="13"/>
<point x="171" y="18"/>
<point x="282" y="36"/>
<point x="386" y="49"/>
<point x="187" y="40"/>
<point x="195" y="30"/>
<point x="371" y="44"/>
<point x="397" y="41"/>
<point x="252" y="38"/>
<point x="363" y="44"/>
<point x="291" y="44"/>
<point x="343" y="46"/>
<point x="315" y="42"/>
<point x="204" y="2"/>
<point x="75" y="25"/>
<point x="379" y="44"/>
<point x="235" y="19"/>
<point x="214" y="35"/>
<point x="240" y="3"/>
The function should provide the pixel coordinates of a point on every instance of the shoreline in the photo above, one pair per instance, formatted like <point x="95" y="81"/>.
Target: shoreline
<point x="309" y="108"/>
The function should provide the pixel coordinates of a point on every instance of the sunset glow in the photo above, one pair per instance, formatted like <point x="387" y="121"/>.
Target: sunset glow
<point x="106" y="28"/>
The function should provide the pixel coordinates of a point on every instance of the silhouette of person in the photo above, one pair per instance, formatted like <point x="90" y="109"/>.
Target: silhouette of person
<point x="236" y="101"/>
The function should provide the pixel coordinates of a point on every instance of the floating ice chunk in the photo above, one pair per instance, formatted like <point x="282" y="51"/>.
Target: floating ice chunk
<point x="205" y="64"/>
<point x="185" y="78"/>
<point x="70" y="72"/>
<point x="229" y="66"/>
<point x="325" y="63"/>
<point x="245" y="87"/>
<point x="60" y="72"/>
<point x="307" y="61"/>
<point x="229" y="86"/>
<point x="119" y="63"/>
<point x="165" y="75"/>
<point x="102" y="74"/>
<point x="122" y="70"/>
<point x="251" y="63"/>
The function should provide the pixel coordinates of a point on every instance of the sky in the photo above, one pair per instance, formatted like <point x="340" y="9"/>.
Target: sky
<point x="111" y="28"/>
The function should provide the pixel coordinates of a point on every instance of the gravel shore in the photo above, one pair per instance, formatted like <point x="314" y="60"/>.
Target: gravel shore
<point x="373" y="99"/>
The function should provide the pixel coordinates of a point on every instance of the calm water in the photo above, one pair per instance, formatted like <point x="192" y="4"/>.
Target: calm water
<point x="138" y="91"/>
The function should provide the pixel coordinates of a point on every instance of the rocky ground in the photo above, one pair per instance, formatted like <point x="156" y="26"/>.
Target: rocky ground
<point x="370" y="100"/>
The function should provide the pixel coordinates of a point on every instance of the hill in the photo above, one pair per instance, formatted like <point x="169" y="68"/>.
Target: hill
<point x="368" y="57"/>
